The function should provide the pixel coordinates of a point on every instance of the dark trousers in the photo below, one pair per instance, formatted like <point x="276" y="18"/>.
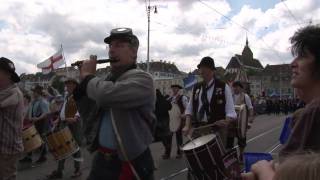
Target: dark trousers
<point x="76" y="162"/>
<point x="167" y="142"/>
<point x="241" y="142"/>
<point x="110" y="167"/>
<point x="42" y="128"/>
<point x="179" y="140"/>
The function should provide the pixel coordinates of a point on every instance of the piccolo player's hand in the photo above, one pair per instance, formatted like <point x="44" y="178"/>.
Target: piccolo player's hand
<point x="88" y="67"/>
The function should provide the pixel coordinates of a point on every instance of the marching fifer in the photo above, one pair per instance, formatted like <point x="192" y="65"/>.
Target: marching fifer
<point x="126" y="98"/>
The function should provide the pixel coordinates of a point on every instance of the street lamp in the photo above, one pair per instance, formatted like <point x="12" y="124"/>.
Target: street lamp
<point x="149" y="8"/>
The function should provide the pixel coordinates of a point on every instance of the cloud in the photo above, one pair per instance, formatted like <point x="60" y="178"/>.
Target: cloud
<point x="193" y="28"/>
<point x="73" y="34"/>
<point x="182" y="31"/>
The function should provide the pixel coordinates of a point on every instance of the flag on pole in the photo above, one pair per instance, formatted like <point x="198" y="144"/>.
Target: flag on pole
<point x="189" y="81"/>
<point x="53" y="62"/>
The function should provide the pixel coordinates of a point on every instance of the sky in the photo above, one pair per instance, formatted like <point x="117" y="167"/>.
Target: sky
<point x="182" y="32"/>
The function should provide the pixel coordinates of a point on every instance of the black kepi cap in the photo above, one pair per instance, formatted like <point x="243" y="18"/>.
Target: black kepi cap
<point x="124" y="34"/>
<point x="207" y="62"/>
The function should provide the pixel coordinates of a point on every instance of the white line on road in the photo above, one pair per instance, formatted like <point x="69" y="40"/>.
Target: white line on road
<point x="262" y="134"/>
<point x="273" y="147"/>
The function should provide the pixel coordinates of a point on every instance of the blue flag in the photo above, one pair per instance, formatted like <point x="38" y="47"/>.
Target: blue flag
<point x="189" y="81"/>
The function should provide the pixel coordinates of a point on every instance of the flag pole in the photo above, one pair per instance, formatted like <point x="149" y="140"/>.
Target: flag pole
<point x="65" y="61"/>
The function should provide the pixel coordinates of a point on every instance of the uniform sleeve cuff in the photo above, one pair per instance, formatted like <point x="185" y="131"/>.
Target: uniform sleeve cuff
<point x="81" y="90"/>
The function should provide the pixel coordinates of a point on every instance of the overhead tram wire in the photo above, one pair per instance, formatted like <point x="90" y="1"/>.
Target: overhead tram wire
<point x="290" y="12"/>
<point x="246" y="29"/>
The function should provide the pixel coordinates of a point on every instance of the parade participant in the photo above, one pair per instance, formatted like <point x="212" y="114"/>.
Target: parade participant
<point x="69" y="117"/>
<point x="38" y="112"/>
<point x="211" y="102"/>
<point x="306" y="79"/>
<point x="163" y="132"/>
<point x="182" y="102"/>
<point x="11" y="119"/>
<point x="26" y="102"/>
<point x="126" y="98"/>
<point x="240" y="97"/>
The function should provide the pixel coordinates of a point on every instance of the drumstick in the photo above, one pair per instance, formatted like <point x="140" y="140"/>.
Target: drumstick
<point x="206" y="126"/>
<point x="191" y="140"/>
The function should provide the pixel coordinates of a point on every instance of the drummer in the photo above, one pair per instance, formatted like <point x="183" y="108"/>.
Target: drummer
<point x="70" y="117"/>
<point x="182" y="102"/>
<point x="26" y="102"/>
<point x="240" y="97"/>
<point x="211" y="102"/>
<point x="38" y="111"/>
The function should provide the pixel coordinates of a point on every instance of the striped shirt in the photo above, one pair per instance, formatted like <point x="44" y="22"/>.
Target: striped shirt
<point x="11" y="119"/>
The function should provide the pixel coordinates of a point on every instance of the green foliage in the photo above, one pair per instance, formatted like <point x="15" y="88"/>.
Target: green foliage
<point x="58" y="84"/>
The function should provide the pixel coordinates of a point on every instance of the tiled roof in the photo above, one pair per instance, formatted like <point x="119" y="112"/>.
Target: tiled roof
<point x="160" y="66"/>
<point x="234" y="63"/>
<point x="250" y="62"/>
<point x="284" y="69"/>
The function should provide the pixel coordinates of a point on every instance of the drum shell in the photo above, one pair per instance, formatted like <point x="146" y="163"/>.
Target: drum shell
<point x="207" y="158"/>
<point x="238" y="128"/>
<point x="62" y="144"/>
<point x="31" y="139"/>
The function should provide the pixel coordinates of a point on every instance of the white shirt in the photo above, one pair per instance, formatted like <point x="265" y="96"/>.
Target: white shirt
<point x="229" y="107"/>
<point x="184" y="100"/>
<point x="246" y="99"/>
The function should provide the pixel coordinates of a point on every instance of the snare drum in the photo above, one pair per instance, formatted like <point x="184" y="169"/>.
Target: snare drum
<point x="62" y="144"/>
<point x="205" y="158"/>
<point x="31" y="139"/>
<point x="242" y="113"/>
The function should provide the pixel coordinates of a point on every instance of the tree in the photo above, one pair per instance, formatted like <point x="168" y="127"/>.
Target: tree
<point x="58" y="84"/>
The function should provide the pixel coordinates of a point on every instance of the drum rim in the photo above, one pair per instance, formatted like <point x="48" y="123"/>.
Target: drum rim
<point x="184" y="147"/>
<point x="65" y="156"/>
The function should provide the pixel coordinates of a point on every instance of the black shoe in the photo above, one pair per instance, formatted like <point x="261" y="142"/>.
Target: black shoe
<point x="41" y="160"/>
<point x="76" y="174"/>
<point x="55" y="175"/>
<point x="26" y="160"/>
<point x="179" y="156"/>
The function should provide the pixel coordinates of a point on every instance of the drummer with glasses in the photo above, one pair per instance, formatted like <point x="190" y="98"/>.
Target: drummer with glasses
<point x="211" y="102"/>
<point x="240" y="97"/>
<point x="181" y="101"/>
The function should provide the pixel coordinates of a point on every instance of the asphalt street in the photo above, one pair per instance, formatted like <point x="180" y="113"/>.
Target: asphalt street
<point x="262" y="137"/>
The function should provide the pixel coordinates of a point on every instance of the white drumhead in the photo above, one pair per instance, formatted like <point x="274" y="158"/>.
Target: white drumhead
<point x="198" y="142"/>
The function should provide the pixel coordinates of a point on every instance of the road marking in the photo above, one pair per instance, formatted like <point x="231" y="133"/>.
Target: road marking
<point x="262" y="134"/>
<point x="273" y="147"/>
